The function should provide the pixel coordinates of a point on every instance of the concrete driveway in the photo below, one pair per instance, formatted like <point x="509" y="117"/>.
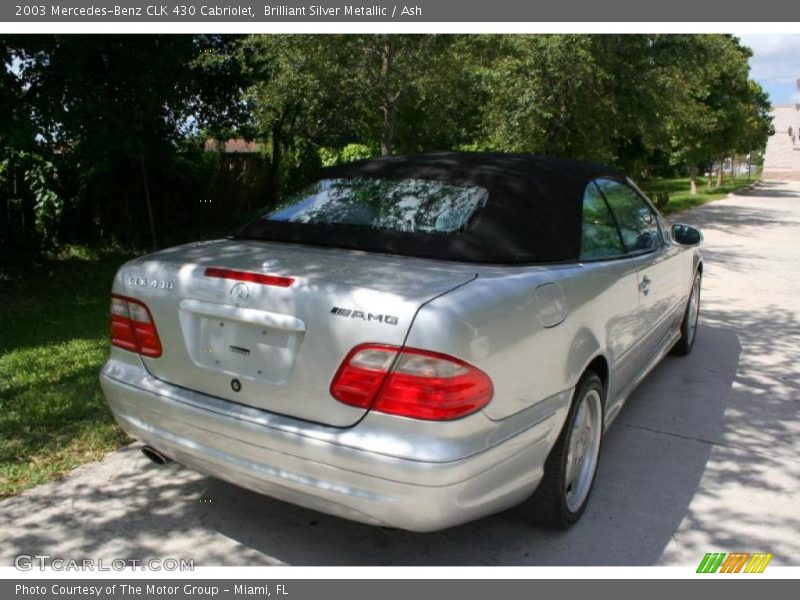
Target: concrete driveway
<point x="704" y="457"/>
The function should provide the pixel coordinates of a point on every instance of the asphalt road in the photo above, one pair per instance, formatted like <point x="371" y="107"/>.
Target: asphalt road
<point x="704" y="457"/>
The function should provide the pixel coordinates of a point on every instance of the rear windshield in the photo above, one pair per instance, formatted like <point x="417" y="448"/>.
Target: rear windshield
<point x="401" y="205"/>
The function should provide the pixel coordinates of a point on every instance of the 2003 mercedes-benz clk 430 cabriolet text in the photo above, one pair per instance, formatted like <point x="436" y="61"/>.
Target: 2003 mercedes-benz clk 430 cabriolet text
<point x="413" y="341"/>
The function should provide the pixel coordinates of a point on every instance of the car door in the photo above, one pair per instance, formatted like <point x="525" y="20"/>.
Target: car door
<point x="611" y="281"/>
<point x="659" y="272"/>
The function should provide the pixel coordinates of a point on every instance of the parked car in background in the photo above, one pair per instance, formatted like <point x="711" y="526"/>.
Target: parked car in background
<point x="413" y="341"/>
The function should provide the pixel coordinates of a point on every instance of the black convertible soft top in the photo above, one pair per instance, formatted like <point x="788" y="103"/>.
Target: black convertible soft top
<point x="533" y="212"/>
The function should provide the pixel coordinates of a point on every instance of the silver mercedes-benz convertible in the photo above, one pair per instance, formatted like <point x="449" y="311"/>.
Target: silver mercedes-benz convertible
<point x="412" y="341"/>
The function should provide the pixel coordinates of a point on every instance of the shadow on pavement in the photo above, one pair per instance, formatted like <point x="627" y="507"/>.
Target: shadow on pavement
<point x="645" y="484"/>
<point x="769" y="189"/>
<point x="722" y="216"/>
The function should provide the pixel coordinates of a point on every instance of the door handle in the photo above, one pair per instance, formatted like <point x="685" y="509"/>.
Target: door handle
<point x="644" y="285"/>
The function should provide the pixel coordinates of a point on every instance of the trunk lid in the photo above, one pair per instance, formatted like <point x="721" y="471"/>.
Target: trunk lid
<point x="271" y="347"/>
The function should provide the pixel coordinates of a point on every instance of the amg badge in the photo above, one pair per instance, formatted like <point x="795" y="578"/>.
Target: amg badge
<point x="364" y="316"/>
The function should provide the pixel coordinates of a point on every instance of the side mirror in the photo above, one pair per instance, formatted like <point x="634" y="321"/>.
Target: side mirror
<point x="686" y="235"/>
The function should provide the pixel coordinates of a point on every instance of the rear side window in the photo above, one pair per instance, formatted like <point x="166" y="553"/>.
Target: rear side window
<point x="638" y="224"/>
<point x="600" y="236"/>
<point x="407" y="205"/>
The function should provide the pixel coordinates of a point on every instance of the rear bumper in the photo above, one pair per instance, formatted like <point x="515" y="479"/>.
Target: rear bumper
<point x="370" y="472"/>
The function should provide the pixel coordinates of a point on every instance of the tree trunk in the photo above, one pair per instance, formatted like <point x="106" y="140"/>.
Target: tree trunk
<point x="275" y="160"/>
<point x="149" y="204"/>
<point x="719" y="170"/>
<point x="389" y="100"/>
<point x="4" y="221"/>
<point x="693" y="179"/>
<point x="387" y="135"/>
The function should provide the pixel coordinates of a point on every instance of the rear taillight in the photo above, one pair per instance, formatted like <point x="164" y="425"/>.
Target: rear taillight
<point x="133" y="328"/>
<point x="410" y="382"/>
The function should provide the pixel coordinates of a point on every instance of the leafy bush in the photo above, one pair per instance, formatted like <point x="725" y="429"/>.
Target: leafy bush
<point x="338" y="156"/>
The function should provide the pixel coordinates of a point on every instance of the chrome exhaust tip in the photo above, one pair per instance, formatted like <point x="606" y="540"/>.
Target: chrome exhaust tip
<point x="155" y="456"/>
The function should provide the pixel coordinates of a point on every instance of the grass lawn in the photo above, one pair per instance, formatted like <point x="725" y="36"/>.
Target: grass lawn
<point x="54" y="338"/>
<point x="53" y="341"/>
<point x="679" y="196"/>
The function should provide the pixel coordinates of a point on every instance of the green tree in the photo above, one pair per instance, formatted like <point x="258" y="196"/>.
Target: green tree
<point x="294" y="96"/>
<point x="115" y="109"/>
<point x="599" y="98"/>
<point x="718" y="110"/>
<point x="413" y="92"/>
<point x="756" y="121"/>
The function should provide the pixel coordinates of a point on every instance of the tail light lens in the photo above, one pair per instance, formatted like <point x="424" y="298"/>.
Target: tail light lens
<point x="412" y="383"/>
<point x="133" y="328"/>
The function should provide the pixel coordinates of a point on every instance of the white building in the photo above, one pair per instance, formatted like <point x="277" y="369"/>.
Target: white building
<point x="782" y="158"/>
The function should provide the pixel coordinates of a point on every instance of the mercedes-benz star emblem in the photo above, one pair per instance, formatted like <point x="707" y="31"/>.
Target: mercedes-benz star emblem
<point x="240" y="293"/>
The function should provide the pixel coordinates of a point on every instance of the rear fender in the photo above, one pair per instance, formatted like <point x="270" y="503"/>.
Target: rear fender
<point x="495" y="324"/>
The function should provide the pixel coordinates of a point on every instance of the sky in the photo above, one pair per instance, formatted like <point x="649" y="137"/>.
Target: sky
<point x="775" y="64"/>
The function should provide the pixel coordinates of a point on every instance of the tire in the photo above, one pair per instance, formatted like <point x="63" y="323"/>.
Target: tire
<point x="558" y="502"/>
<point x="690" y="317"/>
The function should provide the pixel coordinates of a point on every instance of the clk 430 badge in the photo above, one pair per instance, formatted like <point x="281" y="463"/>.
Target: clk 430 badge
<point x="364" y="316"/>
<point x="158" y="284"/>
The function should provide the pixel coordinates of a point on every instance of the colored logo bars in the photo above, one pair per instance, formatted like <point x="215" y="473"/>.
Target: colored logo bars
<point x="735" y="562"/>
